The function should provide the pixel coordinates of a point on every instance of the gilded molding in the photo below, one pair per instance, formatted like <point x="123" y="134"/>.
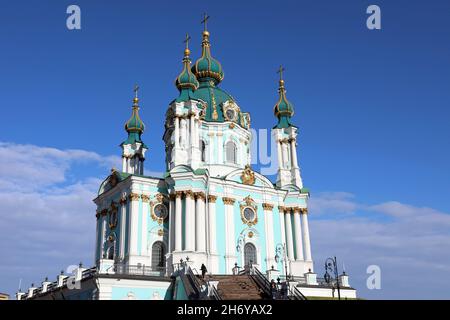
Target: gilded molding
<point x="179" y="194"/>
<point x="248" y="176"/>
<point x="123" y="200"/>
<point x="267" y="206"/>
<point x="133" y="197"/>
<point x="200" y="195"/>
<point x="145" y="198"/>
<point x="104" y="212"/>
<point x="304" y="210"/>
<point x="281" y="209"/>
<point x="229" y="201"/>
<point x="189" y="194"/>
<point x="297" y="210"/>
<point x="212" y="198"/>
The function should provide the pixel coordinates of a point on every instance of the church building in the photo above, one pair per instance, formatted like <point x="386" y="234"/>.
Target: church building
<point x="210" y="209"/>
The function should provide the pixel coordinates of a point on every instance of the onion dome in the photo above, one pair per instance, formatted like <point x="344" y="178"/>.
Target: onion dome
<point x="134" y="126"/>
<point x="206" y="68"/>
<point x="186" y="82"/>
<point x="283" y="109"/>
<point x="186" y="79"/>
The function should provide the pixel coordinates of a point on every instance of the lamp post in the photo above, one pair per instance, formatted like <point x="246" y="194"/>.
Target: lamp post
<point x="281" y="255"/>
<point x="332" y="269"/>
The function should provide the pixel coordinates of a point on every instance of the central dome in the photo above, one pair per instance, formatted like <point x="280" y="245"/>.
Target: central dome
<point x="206" y="68"/>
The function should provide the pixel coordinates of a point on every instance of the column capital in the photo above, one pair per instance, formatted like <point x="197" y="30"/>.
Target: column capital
<point x="145" y="198"/>
<point x="199" y="195"/>
<point x="229" y="201"/>
<point x="267" y="206"/>
<point x="281" y="209"/>
<point x="172" y="196"/>
<point x="212" y="198"/>
<point x="297" y="210"/>
<point x="123" y="200"/>
<point x="179" y="194"/>
<point x="133" y="196"/>
<point x="189" y="194"/>
<point x="304" y="210"/>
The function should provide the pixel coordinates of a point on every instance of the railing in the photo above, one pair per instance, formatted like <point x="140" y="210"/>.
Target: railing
<point x="262" y="281"/>
<point x="139" y="270"/>
<point x="296" y="294"/>
<point x="88" y="273"/>
<point x="298" y="279"/>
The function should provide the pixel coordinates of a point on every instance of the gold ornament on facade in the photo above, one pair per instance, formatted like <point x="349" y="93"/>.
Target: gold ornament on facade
<point x="189" y="194"/>
<point x="229" y="201"/>
<point x="248" y="176"/>
<point x="113" y="216"/>
<point x="281" y="209"/>
<point x="249" y="211"/>
<point x="134" y="197"/>
<point x="179" y="194"/>
<point x="267" y="206"/>
<point x="145" y="198"/>
<point x="250" y="234"/>
<point x="160" y="232"/>
<point x="199" y="195"/>
<point x="111" y="238"/>
<point x="212" y="198"/>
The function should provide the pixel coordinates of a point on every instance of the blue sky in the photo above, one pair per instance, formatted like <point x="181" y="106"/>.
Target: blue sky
<point x="372" y="107"/>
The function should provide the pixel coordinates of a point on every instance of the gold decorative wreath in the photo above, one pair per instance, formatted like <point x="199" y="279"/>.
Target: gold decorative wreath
<point x="249" y="203"/>
<point x="248" y="176"/>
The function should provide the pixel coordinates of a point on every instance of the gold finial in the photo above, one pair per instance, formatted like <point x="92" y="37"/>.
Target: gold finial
<point x="187" y="52"/>
<point x="205" y="21"/>
<point x="136" y="99"/>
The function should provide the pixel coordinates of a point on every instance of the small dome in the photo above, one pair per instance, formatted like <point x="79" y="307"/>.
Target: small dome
<point x="283" y="109"/>
<point x="186" y="79"/>
<point x="135" y="124"/>
<point x="206" y="67"/>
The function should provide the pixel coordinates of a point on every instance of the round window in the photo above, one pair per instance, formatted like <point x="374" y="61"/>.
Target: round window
<point x="160" y="211"/>
<point x="231" y="114"/>
<point x="249" y="214"/>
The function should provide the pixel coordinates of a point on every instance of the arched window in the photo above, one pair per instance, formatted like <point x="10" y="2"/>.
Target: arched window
<point x="110" y="253"/>
<point x="249" y="254"/>
<point x="203" y="150"/>
<point x="230" y="149"/>
<point x="158" y="256"/>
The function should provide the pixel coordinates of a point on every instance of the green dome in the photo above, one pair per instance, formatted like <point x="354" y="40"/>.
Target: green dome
<point x="283" y="109"/>
<point x="186" y="79"/>
<point x="134" y="126"/>
<point x="214" y="97"/>
<point x="206" y="68"/>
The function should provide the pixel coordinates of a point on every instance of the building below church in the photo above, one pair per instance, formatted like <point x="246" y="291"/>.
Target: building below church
<point x="209" y="209"/>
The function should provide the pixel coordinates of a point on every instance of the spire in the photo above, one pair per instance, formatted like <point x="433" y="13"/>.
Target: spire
<point x="207" y="68"/>
<point x="186" y="81"/>
<point x="283" y="109"/>
<point x="134" y="126"/>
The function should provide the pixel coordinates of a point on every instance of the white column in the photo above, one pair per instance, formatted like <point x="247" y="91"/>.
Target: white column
<point x="280" y="156"/>
<point x="123" y="224"/>
<point x="298" y="235"/>
<point x="220" y="155"/>
<point x="289" y="240"/>
<point x="133" y="225"/>
<point x="230" y="242"/>
<point x="283" y="229"/>
<point x="190" y="222"/>
<point x="294" y="153"/>
<point x="172" y="223"/>
<point x="177" y="133"/>
<point x="306" y="242"/>
<point x="145" y="216"/>
<point x="192" y="131"/>
<point x="200" y="236"/>
<point x="285" y="155"/>
<point x="178" y="222"/>
<point x="212" y="224"/>
<point x="124" y="164"/>
<point x="268" y="227"/>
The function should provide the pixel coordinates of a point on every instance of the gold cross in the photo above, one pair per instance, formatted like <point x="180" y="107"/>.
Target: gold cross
<point x="136" y="89"/>
<point x="187" y="40"/>
<point x="280" y="71"/>
<point x="205" y="19"/>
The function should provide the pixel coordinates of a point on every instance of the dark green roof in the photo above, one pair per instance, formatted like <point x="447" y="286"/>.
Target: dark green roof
<point x="283" y="109"/>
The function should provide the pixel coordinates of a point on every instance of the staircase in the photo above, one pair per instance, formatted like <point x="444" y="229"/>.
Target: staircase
<point x="238" y="287"/>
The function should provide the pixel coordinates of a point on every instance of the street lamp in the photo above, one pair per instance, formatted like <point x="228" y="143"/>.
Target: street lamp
<point x="330" y="270"/>
<point x="281" y="255"/>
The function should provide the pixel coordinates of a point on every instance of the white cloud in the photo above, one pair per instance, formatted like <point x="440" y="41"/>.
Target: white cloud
<point x="47" y="222"/>
<point x="409" y="243"/>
